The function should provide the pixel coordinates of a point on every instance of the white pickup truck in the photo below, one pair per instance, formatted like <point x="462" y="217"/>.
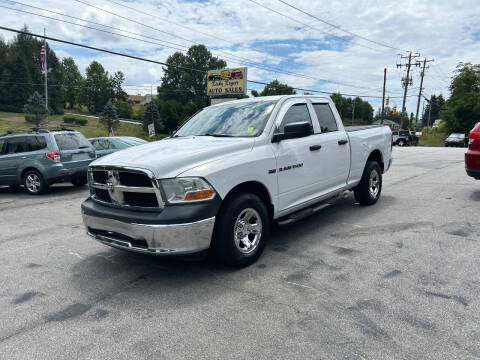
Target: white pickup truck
<point x="220" y="181"/>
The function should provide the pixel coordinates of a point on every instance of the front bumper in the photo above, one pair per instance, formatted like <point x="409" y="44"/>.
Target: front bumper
<point x="174" y="231"/>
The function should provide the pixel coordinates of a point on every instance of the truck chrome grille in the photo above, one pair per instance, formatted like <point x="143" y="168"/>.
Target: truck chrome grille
<point x="127" y="187"/>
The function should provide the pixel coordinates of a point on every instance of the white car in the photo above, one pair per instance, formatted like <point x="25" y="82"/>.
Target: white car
<point x="221" y="180"/>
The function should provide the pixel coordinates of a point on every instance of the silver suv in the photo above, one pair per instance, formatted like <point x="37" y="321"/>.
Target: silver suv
<point x="38" y="158"/>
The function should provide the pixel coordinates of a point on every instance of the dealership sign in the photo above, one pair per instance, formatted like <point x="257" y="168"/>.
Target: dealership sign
<point x="227" y="82"/>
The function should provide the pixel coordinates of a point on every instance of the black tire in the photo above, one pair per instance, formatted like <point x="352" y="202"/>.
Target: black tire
<point x="34" y="183"/>
<point x="224" y="247"/>
<point x="79" y="181"/>
<point x="364" y="192"/>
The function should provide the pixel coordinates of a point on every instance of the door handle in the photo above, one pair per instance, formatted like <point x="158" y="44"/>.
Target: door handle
<point x="315" y="147"/>
<point x="342" y="142"/>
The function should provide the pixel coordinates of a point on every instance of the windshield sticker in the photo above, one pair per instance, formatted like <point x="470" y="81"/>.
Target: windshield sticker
<point x="250" y="129"/>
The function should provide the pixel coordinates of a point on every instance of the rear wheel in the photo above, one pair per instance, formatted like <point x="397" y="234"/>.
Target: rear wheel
<point x="241" y="231"/>
<point x="34" y="182"/>
<point x="79" y="181"/>
<point x="368" y="190"/>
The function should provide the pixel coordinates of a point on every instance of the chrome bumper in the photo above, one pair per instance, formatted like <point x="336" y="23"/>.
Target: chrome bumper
<point x="168" y="239"/>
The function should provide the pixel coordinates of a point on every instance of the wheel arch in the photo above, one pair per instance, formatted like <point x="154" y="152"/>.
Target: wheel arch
<point x="28" y="168"/>
<point x="253" y="187"/>
<point x="376" y="155"/>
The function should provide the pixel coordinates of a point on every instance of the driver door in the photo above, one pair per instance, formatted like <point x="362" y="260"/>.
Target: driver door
<point x="297" y="159"/>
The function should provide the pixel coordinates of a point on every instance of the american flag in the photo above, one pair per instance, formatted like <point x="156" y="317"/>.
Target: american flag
<point x="110" y="132"/>
<point x="42" y="60"/>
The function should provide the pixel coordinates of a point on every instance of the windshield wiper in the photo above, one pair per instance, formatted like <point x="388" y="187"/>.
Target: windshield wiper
<point x="217" y="135"/>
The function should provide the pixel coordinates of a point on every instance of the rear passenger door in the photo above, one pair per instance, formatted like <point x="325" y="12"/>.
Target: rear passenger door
<point x="334" y="157"/>
<point x="13" y="155"/>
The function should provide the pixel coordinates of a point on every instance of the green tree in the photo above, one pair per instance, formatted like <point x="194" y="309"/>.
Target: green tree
<point x="35" y="110"/>
<point x="275" y="88"/>
<point x="151" y="115"/>
<point x="71" y="81"/>
<point x="96" y="89"/>
<point x="124" y="109"/>
<point x="437" y="103"/>
<point x="115" y="84"/>
<point x="108" y="117"/>
<point x="463" y="107"/>
<point x="184" y="85"/>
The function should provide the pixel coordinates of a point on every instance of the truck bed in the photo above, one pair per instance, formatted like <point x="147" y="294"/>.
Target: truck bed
<point x="361" y="127"/>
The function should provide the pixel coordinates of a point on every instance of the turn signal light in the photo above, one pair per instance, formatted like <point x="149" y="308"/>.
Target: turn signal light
<point x="53" y="155"/>
<point x="199" y="195"/>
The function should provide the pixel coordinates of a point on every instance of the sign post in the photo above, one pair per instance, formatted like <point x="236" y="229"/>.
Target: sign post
<point x="151" y="130"/>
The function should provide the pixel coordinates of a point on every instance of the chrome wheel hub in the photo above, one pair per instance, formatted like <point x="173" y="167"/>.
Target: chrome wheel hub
<point x="33" y="183"/>
<point x="247" y="230"/>
<point x="374" y="184"/>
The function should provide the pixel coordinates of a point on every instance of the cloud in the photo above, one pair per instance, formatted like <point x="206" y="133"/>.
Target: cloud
<point x="241" y="31"/>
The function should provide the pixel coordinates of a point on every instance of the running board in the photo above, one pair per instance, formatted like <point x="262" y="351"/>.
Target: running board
<point x="302" y="214"/>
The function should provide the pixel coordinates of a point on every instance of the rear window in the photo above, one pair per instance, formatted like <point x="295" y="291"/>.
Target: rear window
<point x="476" y="127"/>
<point x="71" y="141"/>
<point x="404" y="133"/>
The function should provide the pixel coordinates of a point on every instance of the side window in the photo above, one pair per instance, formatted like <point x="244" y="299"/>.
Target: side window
<point x="97" y="145"/>
<point x="111" y="145"/>
<point x="16" y="145"/>
<point x="325" y="117"/>
<point x="36" y="143"/>
<point x="296" y="113"/>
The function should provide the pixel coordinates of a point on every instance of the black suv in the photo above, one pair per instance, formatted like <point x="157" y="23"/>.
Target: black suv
<point x="37" y="158"/>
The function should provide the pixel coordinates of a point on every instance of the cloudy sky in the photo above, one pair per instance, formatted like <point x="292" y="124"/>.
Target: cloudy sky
<point x="328" y="51"/>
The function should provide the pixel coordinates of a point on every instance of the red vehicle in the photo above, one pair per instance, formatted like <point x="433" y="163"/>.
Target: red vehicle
<point x="472" y="157"/>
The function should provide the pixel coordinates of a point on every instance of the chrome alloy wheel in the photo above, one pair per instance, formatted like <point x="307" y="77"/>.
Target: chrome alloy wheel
<point x="32" y="182"/>
<point x="247" y="230"/>
<point x="374" y="184"/>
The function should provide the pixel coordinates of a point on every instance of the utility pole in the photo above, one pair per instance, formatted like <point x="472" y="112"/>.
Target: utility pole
<point x="422" y="74"/>
<point x="406" y="81"/>
<point x="46" y="70"/>
<point x="353" y="109"/>
<point x="383" y="96"/>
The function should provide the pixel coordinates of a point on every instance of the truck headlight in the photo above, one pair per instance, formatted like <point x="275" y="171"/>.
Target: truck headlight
<point x="180" y="190"/>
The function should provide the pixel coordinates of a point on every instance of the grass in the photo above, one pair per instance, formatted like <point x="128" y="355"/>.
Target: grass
<point x="433" y="139"/>
<point x="92" y="129"/>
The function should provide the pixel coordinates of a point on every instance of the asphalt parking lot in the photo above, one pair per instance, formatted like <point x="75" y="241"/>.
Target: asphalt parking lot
<point x="398" y="280"/>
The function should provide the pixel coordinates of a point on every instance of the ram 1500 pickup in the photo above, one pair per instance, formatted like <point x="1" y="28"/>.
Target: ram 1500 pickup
<point x="220" y="181"/>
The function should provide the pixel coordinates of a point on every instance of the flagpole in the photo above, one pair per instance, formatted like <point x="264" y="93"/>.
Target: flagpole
<point x="46" y="70"/>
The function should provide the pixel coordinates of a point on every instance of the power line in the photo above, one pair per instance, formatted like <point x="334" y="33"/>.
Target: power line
<point x="183" y="48"/>
<point x="340" y="28"/>
<point x="303" y="23"/>
<point x="158" y="62"/>
<point x="193" y="42"/>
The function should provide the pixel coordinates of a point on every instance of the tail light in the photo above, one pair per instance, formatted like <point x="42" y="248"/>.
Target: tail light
<point x="474" y="140"/>
<point x="53" y="155"/>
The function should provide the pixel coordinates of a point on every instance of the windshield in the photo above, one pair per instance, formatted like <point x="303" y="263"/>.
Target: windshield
<point x="241" y="119"/>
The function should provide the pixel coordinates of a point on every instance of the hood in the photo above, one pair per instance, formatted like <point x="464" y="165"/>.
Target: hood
<point x="171" y="157"/>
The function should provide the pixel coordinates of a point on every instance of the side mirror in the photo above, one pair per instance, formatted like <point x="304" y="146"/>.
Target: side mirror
<point x="293" y="131"/>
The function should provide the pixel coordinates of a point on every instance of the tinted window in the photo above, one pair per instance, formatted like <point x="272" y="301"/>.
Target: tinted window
<point x="71" y="141"/>
<point x="107" y="144"/>
<point x="16" y="145"/>
<point x="36" y="143"/>
<point x="404" y="133"/>
<point x="296" y="113"/>
<point x="325" y="117"/>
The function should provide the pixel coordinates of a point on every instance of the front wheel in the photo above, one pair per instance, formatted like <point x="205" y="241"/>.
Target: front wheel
<point x="368" y="190"/>
<point x="241" y="231"/>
